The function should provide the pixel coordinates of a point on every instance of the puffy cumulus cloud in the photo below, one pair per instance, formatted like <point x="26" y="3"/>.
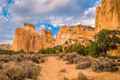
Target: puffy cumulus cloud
<point x="89" y="15"/>
<point x="68" y="20"/>
<point x="36" y="7"/>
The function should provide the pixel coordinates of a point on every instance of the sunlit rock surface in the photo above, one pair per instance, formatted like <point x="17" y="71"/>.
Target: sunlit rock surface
<point x="77" y="33"/>
<point x="28" y="40"/>
<point x="108" y="15"/>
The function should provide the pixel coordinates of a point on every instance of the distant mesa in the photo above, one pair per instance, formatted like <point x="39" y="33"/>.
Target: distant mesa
<point x="107" y="17"/>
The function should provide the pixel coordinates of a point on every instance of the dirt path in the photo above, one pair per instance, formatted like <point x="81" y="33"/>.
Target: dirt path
<point x="54" y="69"/>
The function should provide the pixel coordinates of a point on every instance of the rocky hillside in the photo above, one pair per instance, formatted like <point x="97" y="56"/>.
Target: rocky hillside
<point x="108" y="15"/>
<point x="27" y="39"/>
<point x="77" y="33"/>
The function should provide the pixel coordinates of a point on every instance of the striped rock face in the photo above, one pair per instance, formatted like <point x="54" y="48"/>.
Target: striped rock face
<point x="108" y="15"/>
<point x="28" y="40"/>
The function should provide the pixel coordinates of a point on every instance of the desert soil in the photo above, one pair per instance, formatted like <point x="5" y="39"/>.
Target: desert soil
<point x="56" y="69"/>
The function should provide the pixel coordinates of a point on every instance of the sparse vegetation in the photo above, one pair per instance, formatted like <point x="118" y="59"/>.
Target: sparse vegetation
<point x="105" y="40"/>
<point x="19" y="71"/>
<point x="19" y="66"/>
<point x="81" y="76"/>
<point x="104" y="65"/>
<point x="54" y="50"/>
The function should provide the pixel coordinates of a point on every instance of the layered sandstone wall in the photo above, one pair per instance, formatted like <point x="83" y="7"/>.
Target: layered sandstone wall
<point x="108" y="15"/>
<point x="28" y="40"/>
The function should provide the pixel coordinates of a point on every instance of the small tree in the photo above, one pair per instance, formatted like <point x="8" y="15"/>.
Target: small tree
<point x="103" y="40"/>
<point x="93" y="49"/>
<point x="107" y="39"/>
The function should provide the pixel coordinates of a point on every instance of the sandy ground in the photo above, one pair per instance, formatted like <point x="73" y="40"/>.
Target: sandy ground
<point x="56" y="69"/>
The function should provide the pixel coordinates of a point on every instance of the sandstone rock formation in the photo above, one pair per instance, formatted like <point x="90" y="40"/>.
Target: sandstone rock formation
<point x="71" y="34"/>
<point x="28" y="40"/>
<point x="108" y="15"/>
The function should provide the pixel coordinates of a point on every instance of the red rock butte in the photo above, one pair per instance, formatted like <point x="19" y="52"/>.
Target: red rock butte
<point x="28" y="40"/>
<point x="107" y="17"/>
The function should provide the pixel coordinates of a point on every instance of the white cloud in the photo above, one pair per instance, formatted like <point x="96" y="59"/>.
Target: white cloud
<point x="6" y="42"/>
<point x="0" y="9"/>
<point x="42" y="26"/>
<point x="38" y="6"/>
<point x="55" y="25"/>
<point x="61" y="20"/>
<point x="49" y="28"/>
<point x="89" y="15"/>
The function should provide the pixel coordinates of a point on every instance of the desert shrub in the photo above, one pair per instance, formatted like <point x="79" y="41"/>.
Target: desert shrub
<point x="19" y="71"/>
<point x="81" y="76"/>
<point x="75" y="48"/>
<point x="6" y="51"/>
<point x="19" y="52"/>
<point x="3" y="76"/>
<point x="15" y="73"/>
<point x="53" y="50"/>
<point x="65" y="78"/>
<point x="48" y="51"/>
<point x="83" y="64"/>
<point x="31" y="70"/>
<point x="104" y="65"/>
<point x="92" y="50"/>
<point x="58" y="49"/>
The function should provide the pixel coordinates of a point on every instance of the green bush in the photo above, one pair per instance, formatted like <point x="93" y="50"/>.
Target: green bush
<point x="53" y="50"/>
<point x="81" y="76"/>
<point x="58" y="49"/>
<point x="74" y="48"/>
<point x="48" y="51"/>
<point x="107" y="39"/>
<point x="92" y="50"/>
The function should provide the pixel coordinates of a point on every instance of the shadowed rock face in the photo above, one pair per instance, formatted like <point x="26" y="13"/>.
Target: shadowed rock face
<point x="28" y="40"/>
<point x="108" y="15"/>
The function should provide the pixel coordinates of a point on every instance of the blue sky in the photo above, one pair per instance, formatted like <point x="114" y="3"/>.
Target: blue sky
<point x="50" y="14"/>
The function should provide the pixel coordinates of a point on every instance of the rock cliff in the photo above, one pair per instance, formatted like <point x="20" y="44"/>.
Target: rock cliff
<point x="28" y="40"/>
<point x="77" y="33"/>
<point x="108" y="15"/>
